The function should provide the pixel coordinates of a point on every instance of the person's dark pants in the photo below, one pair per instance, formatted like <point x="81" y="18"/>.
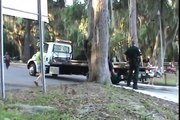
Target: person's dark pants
<point x="7" y="64"/>
<point x="115" y="79"/>
<point x="134" y="76"/>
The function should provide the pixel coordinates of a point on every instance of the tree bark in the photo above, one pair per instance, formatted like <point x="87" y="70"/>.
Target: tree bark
<point x="112" y="15"/>
<point x="26" y="48"/>
<point x="133" y="21"/>
<point x="154" y="51"/>
<point x="98" y="39"/>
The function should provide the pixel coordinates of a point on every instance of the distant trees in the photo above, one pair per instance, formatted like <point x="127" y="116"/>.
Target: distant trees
<point x="71" y="22"/>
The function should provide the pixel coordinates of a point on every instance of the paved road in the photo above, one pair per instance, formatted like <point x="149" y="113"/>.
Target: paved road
<point x="17" y="77"/>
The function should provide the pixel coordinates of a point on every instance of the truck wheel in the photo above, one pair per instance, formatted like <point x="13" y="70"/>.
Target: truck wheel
<point x="32" y="69"/>
<point x="54" y="75"/>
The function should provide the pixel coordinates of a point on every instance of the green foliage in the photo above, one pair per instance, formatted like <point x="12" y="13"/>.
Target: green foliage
<point x="171" y="80"/>
<point x="72" y="18"/>
<point x="12" y="115"/>
<point x="71" y="25"/>
<point x="118" y="44"/>
<point x="121" y="4"/>
<point x="150" y="104"/>
<point x="145" y="39"/>
<point x="143" y="32"/>
<point x="70" y="22"/>
<point x="15" y="114"/>
<point x="90" y="101"/>
<point x="73" y="13"/>
<point x="53" y="115"/>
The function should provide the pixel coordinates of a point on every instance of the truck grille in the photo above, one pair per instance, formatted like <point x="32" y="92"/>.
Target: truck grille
<point x="59" y="59"/>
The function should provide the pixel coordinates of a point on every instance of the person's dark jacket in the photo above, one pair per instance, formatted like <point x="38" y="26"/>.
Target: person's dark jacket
<point x="133" y="54"/>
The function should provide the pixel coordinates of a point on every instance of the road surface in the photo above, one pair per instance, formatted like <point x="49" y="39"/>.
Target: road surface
<point x="17" y="77"/>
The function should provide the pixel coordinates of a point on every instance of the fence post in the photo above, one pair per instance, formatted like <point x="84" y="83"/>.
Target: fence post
<point x="165" y="78"/>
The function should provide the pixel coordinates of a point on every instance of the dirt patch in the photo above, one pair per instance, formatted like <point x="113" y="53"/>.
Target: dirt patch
<point x="100" y="102"/>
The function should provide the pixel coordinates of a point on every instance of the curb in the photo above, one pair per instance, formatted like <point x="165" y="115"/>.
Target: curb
<point x="152" y="86"/>
<point x="158" y="87"/>
<point x="18" y="63"/>
<point x="163" y="95"/>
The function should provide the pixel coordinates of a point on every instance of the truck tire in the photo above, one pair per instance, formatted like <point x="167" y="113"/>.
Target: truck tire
<point x="32" y="69"/>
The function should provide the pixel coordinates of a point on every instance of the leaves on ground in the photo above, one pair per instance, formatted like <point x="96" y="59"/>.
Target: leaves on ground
<point x="96" y="102"/>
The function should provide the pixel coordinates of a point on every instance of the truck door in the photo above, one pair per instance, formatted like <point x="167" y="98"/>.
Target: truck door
<point x="46" y="57"/>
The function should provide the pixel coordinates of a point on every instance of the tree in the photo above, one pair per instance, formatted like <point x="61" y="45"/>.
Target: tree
<point x="133" y="21"/>
<point x="97" y="41"/>
<point x="26" y="49"/>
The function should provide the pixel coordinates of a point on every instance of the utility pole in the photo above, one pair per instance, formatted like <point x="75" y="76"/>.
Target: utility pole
<point x="41" y="38"/>
<point x="1" y="53"/>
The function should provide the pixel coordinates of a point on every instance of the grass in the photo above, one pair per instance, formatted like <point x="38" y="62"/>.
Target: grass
<point x="10" y="114"/>
<point x="168" y="80"/>
<point x="89" y="101"/>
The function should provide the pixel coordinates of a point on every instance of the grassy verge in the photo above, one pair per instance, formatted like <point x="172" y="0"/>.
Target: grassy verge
<point x="88" y="101"/>
<point x="166" y="80"/>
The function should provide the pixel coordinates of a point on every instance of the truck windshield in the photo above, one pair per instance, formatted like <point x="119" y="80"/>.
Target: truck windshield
<point x="61" y="48"/>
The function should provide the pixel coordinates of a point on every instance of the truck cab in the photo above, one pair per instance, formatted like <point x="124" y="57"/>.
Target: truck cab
<point x="59" y="51"/>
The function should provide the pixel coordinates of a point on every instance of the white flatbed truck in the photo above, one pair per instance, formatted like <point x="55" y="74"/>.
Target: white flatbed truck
<point x="57" y="58"/>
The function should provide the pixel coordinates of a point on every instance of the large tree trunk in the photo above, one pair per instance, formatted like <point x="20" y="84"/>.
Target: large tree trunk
<point x="171" y="37"/>
<point x="161" y="57"/>
<point x="154" y="53"/>
<point x="26" y="53"/>
<point x="98" y="39"/>
<point x="19" y="44"/>
<point x="133" y="21"/>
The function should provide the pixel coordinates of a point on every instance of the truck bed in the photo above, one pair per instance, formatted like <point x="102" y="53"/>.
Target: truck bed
<point x="78" y="67"/>
<point x="122" y="70"/>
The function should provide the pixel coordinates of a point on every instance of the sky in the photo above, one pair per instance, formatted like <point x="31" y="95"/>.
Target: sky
<point x="70" y="2"/>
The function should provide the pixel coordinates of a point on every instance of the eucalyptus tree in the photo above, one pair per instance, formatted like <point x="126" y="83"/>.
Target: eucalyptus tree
<point x="170" y="18"/>
<point x="97" y="41"/>
<point x="27" y="38"/>
<point x="15" y="32"/>
<point x="148" y="32"/>
<point x="133" y="21"/>
<point x="55" y="26"/>
<point x="149" y="27"/>
<point x="68" y="22"/>
<point x="119" y="29"/>
<point x="22" y="34"/>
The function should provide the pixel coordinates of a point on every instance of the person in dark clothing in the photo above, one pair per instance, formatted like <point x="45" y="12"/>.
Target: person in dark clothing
<point x="133" y="56"/>
<point x="7" y="60"/>
<point x="115" y="79"/>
